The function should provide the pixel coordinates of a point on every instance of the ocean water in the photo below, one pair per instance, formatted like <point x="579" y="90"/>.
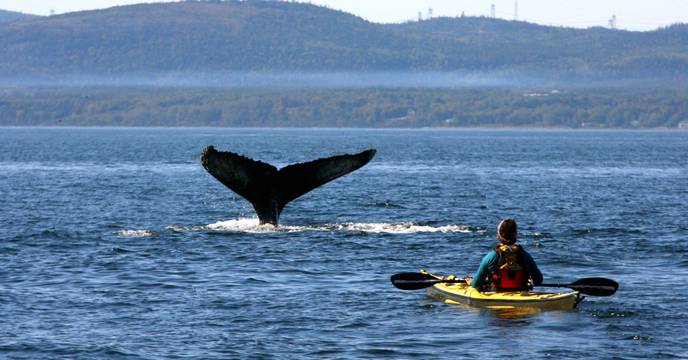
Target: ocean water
<point x="115" y="243"/>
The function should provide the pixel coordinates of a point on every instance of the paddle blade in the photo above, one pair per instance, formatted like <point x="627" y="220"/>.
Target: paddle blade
<point x="413" y="281"/>
<point x="595" y="286"/>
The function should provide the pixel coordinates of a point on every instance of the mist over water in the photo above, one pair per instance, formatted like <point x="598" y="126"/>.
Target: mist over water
<point x="269" y="80"/>
<point x="276" y="81"/>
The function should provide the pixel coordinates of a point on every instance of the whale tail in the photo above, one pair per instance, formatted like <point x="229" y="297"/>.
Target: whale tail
<point x="268" y="189"/>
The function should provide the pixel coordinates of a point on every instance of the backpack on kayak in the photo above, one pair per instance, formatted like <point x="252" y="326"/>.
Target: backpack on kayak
<point x="510" y="275"/>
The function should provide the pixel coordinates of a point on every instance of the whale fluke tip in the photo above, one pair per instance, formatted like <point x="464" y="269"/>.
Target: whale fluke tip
<point x="370" y="153"/>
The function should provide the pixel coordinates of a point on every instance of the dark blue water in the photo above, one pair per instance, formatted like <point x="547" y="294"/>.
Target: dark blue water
<point x="115" y="243"/>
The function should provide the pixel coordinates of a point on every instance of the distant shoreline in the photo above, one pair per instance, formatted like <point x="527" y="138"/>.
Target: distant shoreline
<point x="347" y="108"/>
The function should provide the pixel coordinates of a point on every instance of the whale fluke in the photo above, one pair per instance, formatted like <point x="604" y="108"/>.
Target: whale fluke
<point x="269" y="190"/>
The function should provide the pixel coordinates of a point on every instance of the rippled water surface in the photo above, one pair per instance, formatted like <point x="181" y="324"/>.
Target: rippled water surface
<point x="115" y="243"/>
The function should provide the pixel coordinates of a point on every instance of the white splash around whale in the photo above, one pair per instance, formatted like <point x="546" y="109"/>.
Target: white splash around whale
<point x="251" y="225"/>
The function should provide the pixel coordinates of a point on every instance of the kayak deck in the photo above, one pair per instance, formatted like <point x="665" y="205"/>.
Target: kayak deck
<point x="464" y="294"/>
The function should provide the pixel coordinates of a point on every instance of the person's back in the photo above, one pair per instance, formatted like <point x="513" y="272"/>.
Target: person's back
<point x="508" y="267"/>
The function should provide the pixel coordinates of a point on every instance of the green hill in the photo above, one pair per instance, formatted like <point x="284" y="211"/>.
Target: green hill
<point x="195" y="37"/>
<point x="266" y="36"/>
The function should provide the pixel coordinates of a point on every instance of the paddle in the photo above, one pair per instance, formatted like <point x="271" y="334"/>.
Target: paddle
<point x="415" y="281"/>
<point x="588" y="286"/>
<point x="594" y="286"/>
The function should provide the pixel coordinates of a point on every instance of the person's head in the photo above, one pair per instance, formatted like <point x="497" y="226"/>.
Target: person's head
<point x="507" y="231"/>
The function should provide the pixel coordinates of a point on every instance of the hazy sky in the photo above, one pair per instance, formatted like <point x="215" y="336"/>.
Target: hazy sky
<point x="630" y="14"/>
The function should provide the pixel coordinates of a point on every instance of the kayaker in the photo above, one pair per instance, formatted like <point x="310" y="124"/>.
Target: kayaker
<point x="508" y="267"/>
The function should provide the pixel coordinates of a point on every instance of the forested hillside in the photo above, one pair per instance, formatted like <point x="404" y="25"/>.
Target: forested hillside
<point x="268" y="63"/>
<point x="266" y="36"/>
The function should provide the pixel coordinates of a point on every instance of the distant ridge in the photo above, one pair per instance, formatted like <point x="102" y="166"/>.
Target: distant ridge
<point x="266" y="36"/>
<point x="6" y="16"/>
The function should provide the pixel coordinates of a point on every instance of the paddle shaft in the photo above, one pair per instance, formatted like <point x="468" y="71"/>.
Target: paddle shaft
<point x="589" y="289"/>
<point x="588" y="286"/>
<point x="430" y="282"/>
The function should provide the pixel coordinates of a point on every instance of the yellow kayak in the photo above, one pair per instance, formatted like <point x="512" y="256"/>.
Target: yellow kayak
<point x="463" y="294"/>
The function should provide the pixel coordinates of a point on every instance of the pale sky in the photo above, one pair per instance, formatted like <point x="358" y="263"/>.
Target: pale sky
<point x="630" y="14"/>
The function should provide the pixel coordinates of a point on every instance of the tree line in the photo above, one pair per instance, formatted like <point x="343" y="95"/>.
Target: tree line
<point x="414" y="108"/>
